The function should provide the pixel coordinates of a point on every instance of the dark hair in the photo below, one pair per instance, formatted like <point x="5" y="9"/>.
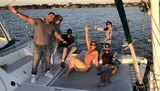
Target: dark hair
<point x="51" y="13"/>
<point x="69" y="31"/>
<point x="94" y="42"/>
<point x="108" y="22"/>
<point x="59" y="17"/>
<point x="107" y="44"/>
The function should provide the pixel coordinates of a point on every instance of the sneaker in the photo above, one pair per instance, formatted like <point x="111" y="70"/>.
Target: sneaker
<point x="49" y="74"/>
<point x="33" y="79"/>
<point x="99" y="73"/>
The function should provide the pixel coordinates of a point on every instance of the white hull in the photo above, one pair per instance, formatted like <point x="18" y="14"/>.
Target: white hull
<point x="18" y="75"/>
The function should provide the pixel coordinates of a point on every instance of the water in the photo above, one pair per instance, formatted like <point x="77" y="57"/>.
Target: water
<point x="77" y="18"/>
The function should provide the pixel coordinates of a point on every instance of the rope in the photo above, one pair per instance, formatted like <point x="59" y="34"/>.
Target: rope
<point x="135" y="77"/>
<point x="155" y="80"/>
<point x="155" y="34"/>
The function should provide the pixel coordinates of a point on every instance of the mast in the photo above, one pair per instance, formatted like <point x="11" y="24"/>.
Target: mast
<point x="155" y="20"/>
<point x="122" y="15"/>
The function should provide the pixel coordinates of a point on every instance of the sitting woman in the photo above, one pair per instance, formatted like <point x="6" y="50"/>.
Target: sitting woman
<point x="108" y="68"/>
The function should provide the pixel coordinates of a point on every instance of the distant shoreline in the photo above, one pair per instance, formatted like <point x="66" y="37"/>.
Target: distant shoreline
<point x="69" y="5"/>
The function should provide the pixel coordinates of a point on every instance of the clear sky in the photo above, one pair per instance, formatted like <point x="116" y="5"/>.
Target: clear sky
<point x="26" y="2"/>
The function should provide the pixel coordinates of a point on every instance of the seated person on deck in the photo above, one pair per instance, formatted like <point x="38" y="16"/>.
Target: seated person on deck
<point x="91" y="56"/>
<point x="108" y="68"/>
<point x="69" y="46"/>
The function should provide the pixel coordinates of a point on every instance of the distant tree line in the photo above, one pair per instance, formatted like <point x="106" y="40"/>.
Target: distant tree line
<point x="69" y="5"/>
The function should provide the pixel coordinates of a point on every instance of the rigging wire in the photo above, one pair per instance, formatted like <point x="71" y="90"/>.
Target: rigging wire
<point x="154" y="22"/>
<point x="11" y="2"/>
<point x="143" y="26"/>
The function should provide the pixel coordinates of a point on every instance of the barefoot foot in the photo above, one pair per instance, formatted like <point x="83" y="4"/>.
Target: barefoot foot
<point x="64" y="75"/>
<point x="100" y="85"/>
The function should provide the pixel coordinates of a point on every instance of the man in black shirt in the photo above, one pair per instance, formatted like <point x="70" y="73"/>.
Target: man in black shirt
<point x="108" y="68"/>
<point x="70" y="45"/>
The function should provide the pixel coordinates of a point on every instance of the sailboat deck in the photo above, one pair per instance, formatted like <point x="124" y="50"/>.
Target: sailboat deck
<point x="79" y="81"/>
<point x="88" y="80"/>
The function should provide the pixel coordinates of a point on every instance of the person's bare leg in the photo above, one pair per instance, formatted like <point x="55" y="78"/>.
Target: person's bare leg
<point x="66" y="72"/>
<point x="70" y="52"/>
<point x="73" y="49"/>
<point x="71" y="65"/>
<point x="65" y="51"/>
<point x="64" y="54"/>
<point x="114" y="70"/>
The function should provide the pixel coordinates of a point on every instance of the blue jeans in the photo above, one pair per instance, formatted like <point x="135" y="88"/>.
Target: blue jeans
<point x="38" y="52"/>
<point x="107" y="68"/>
<point x="106" y="72"/>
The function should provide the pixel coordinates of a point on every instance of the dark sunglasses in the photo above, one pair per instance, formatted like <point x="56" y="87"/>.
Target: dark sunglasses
<point x="69" y="32"/>
<point x="107" y="47"/>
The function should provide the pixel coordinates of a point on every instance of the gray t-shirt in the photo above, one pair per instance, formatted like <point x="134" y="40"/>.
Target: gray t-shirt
<point x="43" y="32"/>
<point x="54" y="39"/>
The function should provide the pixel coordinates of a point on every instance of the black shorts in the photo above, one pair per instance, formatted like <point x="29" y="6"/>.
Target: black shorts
<point x="63" y="45"/>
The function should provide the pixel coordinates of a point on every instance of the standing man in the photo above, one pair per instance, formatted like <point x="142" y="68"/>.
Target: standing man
<point x="90" y="57"/>
<point x="42" y="39"/>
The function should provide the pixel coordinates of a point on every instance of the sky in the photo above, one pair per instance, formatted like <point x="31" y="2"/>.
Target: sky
<point x="29" y="2"/>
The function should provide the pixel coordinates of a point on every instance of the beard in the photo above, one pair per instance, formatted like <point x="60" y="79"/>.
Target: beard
<point x="107" y="51"/>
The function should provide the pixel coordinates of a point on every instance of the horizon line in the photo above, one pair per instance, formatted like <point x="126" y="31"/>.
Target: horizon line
<point x="64" y="3"/>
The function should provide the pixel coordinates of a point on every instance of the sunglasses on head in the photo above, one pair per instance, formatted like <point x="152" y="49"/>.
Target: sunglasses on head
<point x="108" y="23"/>
<point x="93" y="44"/>
<point x="60" y="19"/>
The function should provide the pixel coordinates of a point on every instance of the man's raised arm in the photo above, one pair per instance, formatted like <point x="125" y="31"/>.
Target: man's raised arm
<point x="87" y="37"/>
<point x="22" y="16"/>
